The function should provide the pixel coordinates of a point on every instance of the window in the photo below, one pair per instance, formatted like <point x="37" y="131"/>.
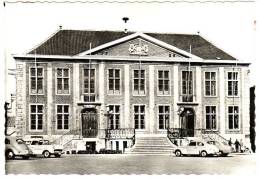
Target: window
<point x="139" y="116"/>
<point x="187" y="86"/>
<point x="211" y="117"/>
<point x="62" y="117"/>
<point x="36" y="117"/>
<point x="139" y="82"/>
<point x="62" y="81"/>
<point x="114" y="116"/>
<point x="163" y="82"/>
<point x="36" y="80"/>
<point x="192" y="144"/>
<point x="114" y="81"/>
<point x="163" y="116"/>
<point x="89" y="85"/>
<point x="210" y="83"/>
<point x="233" y="117"/>
<point x="232" y="83"/>
<point x="7" y="141"/>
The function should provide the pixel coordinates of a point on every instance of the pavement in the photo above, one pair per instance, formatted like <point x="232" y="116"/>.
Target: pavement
<point x="134" y="164"/>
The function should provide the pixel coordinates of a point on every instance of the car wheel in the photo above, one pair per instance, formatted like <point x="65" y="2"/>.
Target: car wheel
<point x="203" y="153"/>
<point x="9" y="155"/>
<point x="225" y="154"/>
<point x="178" y="153"/>
<point x="57" y="155"/>
<point x="221" y="153"/>
<point x="46" y="154"/>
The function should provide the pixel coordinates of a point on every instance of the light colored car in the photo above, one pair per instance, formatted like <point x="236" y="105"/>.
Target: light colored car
<point x="15" y="147"/>
<point x="43" y="147"/>
<point x="198" y="147"/>
<point x="223" y="147"/>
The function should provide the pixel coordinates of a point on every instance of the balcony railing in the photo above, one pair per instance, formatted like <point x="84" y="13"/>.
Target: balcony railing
<point x="90" y="97"/>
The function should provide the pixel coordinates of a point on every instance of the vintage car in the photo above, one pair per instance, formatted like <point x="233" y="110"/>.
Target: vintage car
<point x="198" y="147"/>
<point x="223" y="147"/>
<point x="43" y="147"/>
<point x="15" y="147"/>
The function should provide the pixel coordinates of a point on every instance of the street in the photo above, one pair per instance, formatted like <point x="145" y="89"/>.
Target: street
<point x="134" y="164"/>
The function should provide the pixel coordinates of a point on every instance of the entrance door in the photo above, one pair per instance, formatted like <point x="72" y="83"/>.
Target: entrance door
<point x="91" y="147"/>
<point x="89" y="123"/>
<point x="188" y="122"/>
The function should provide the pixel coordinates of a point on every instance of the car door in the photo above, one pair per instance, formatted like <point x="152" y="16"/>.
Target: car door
<point x="191" y="148"/>
<point x="35" y="147"/>
<point x="200" y="147"/>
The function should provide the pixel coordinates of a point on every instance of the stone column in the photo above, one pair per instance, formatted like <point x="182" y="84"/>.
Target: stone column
<point x="151" y="117"/>
<point x="49" y="107"/>
<point x="21" y="103"/>
<point x="76" y="96"/>
<point x="127" y="97"/>
<point x="175" y="120"/>
<point x="199" y="112"/>
<point x="221" y="114"/>
<point x="102" y="118"/>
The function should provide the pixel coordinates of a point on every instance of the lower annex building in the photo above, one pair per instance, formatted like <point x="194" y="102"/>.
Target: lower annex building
<point x="104" y="89"/>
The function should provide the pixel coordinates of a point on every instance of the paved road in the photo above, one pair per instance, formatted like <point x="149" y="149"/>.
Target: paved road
<point x="133" y="164"/>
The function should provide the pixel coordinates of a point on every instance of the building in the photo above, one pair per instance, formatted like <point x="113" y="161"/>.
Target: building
<point x="106" y="88"/>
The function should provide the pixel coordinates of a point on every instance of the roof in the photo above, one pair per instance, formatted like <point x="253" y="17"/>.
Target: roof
<point x="73" y="42"/>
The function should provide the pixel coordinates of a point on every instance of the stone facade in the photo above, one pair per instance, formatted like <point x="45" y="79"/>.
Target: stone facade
<point x="126" y="99"/>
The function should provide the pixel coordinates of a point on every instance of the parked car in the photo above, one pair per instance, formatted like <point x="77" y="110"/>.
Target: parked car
<point x="223" y="147"/>
<point x="43" y="147"/>
<point x="15" y="147"/>
<point x="197" y="147"/>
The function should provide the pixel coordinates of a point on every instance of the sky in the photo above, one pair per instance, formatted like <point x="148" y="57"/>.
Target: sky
<point x="229" y="26"/>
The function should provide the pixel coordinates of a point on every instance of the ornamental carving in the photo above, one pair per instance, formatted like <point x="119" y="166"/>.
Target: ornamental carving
<point x="138" y="49"/>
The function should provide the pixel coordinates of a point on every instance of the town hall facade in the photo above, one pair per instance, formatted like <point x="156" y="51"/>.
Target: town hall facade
<point x="104" y="89"/>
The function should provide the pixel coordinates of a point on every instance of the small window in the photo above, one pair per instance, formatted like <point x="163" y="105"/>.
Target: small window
<point x="34" y="143"/>
<point x="192" y="144"/>
<point x="7" y="141"/>
<point x="200" y="144"/>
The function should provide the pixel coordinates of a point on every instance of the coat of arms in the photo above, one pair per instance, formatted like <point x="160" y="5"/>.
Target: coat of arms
<point x="137" y="49"/>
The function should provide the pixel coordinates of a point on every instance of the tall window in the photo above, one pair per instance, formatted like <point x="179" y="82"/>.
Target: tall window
<point x="89" y="85"/>
<point x="210" y="83"/>
<point x="211" y="122"/>
<point x="163" y="82"/>
<point x="36" y="78"/>
<point x="163" y="116"/>
<point x="62" y="81"/>
<point x="187" y="86"/>
<point x="139" y="82"/>
<point x="114" y="117"/>
<point x="114" y="81"/>
<point x="62" y="117"/>
<point x="139" y="116"/>
<point x="36" y="117"/>
<point x="232" y="83"/>
<point x="233" y="117"/>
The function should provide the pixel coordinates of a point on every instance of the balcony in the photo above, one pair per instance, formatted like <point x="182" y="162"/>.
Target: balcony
<point x="89" y="99"/>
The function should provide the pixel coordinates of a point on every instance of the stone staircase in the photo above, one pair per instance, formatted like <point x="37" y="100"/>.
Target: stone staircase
<point x="152" y="146"/>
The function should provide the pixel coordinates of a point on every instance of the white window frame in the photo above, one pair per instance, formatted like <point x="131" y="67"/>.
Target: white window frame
<point x="238" y="84"/>
<point x="56" y="117"/>
<point x="120" y="82"/>
<point x="163" y="115"/>
<point x="239" y="117"/>
<point x="133" y="78"/>
<point x="169" y="79"/>
<point x="95" y="81"/>
<point x="139" y="114"/>
<point x="114" y="114"/>
<point x="193" y="84"/>
<point x="43" y="117"/>
<point x="216" y="117"/>
<point x="43" y="86"/>
<point x="216" y="77"/>
<point x="56" y="80"/>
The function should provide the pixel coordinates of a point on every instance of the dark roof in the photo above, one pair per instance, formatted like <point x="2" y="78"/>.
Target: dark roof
<point x="72" y="42"/>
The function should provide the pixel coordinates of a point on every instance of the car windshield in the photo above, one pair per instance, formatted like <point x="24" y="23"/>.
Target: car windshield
<point x="20" y="141"/>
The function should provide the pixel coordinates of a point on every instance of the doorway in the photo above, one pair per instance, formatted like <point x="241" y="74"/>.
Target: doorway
<point x="89" y="123"/>
<point x="187" y="122"/>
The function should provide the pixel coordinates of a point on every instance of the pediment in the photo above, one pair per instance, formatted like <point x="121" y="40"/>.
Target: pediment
<point x="138" y="44"/>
